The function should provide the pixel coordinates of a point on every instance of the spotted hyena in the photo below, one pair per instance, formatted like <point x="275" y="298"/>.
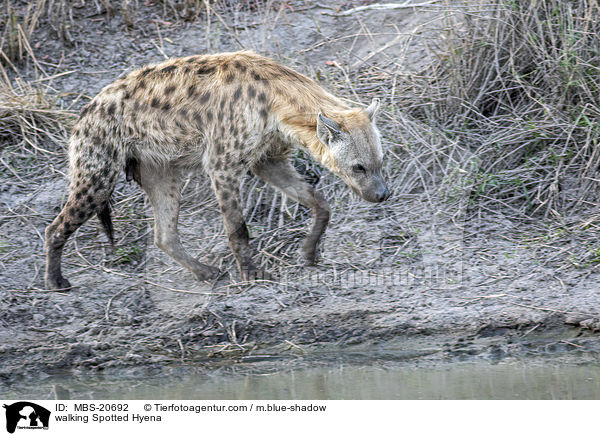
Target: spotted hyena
<point x="226" y="113"/>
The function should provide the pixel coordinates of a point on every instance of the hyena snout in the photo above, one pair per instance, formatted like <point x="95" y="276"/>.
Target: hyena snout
<point x="382" y="195"/>
<point x="375" y="190"/>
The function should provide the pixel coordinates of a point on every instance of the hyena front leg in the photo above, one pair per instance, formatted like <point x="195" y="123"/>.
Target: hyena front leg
<point x="226" y="186"/>
<point x="282" y="175"/>
<point x="163" y="188"/>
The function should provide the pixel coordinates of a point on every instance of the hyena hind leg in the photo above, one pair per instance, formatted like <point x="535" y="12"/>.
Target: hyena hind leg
<point x="89" y="195"/>
<point x="283" y="176"/>
<point x="163" y="189"/>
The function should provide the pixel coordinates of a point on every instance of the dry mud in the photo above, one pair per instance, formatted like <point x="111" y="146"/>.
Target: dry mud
<point x="397" y="281"/>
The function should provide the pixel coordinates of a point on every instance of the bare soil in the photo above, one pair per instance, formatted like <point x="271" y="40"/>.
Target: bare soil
<point x="455" y="282"/>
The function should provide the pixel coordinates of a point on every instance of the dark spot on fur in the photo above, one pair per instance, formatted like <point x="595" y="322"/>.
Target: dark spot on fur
<point x="229" y="78"/>
<point x="191" y="91"/>
<point x="256" y="76"/>
<point x="262" y="97"/>
<point x="238" y="93"/>
<point x="169" y="90"/>
<point x="209" y="116"/>
<point x="147" y="71"/>
<point x="204" y="98"/>
<point x="110" y="110"/>
<point x="90" y="199"/>
<point x="224" y="195"/>
<point x="222" y="104"/>
<point x="263" y="113"/>
<point x="166" y="106"/>
<point x="192" y="59"/>
<point x="239" y="66"/>
<point x="198" y="120"/>
<point x="168" y="69"/>
<point x="155" y="102"/>
<point x="204" y="70"/>
<point x="251" y="91"/>
<point x="81" y="214"/>
<point x="139" y="86"/>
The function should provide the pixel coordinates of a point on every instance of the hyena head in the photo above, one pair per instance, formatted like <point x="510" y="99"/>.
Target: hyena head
<point x="356" y="150"/>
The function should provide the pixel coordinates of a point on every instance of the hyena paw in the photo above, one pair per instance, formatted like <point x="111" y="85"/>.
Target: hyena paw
<point x="310" y="257"/>
<point x="58" y="283"/>
<point x="205" y="272"/>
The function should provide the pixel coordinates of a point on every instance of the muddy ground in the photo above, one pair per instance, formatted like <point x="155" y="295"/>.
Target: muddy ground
<point x="409" y="274"/>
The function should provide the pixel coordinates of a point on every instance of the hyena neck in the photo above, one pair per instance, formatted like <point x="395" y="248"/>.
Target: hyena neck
<point x="308" y="139"/>
<point x="304" y="130"/>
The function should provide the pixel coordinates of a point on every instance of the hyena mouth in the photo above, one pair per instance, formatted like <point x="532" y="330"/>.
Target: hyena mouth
<point x="356" y="191"/>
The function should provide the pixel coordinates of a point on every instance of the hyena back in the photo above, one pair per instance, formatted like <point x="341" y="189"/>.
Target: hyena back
<point x="226" y="113"/>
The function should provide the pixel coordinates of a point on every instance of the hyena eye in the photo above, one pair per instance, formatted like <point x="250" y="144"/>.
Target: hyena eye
<point x="358" y="169"/>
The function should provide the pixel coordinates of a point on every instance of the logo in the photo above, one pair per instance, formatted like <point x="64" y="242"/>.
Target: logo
<point x="26" y="415"/>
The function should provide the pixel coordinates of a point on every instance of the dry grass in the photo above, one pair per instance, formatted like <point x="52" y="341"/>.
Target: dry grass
<point x="30" y="117"/>
<point x="18" y="24"/>
<point x="33" y="135"/>
<point x="514" y="93"/>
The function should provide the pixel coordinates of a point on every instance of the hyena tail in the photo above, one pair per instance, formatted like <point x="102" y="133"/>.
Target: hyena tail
<point x="94" y="172"/>
<point x="106" y="220"/>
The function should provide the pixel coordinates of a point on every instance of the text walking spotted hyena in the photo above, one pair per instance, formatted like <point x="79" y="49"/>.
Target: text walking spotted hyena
<point x="227" y="113"/>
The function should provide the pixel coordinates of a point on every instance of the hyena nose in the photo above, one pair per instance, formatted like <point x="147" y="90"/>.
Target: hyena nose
<point x="383" y="194"/>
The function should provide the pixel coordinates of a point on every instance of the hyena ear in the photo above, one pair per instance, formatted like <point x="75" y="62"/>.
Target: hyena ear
<point x="327" y="129"/>
<point x="372" y="109"/>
